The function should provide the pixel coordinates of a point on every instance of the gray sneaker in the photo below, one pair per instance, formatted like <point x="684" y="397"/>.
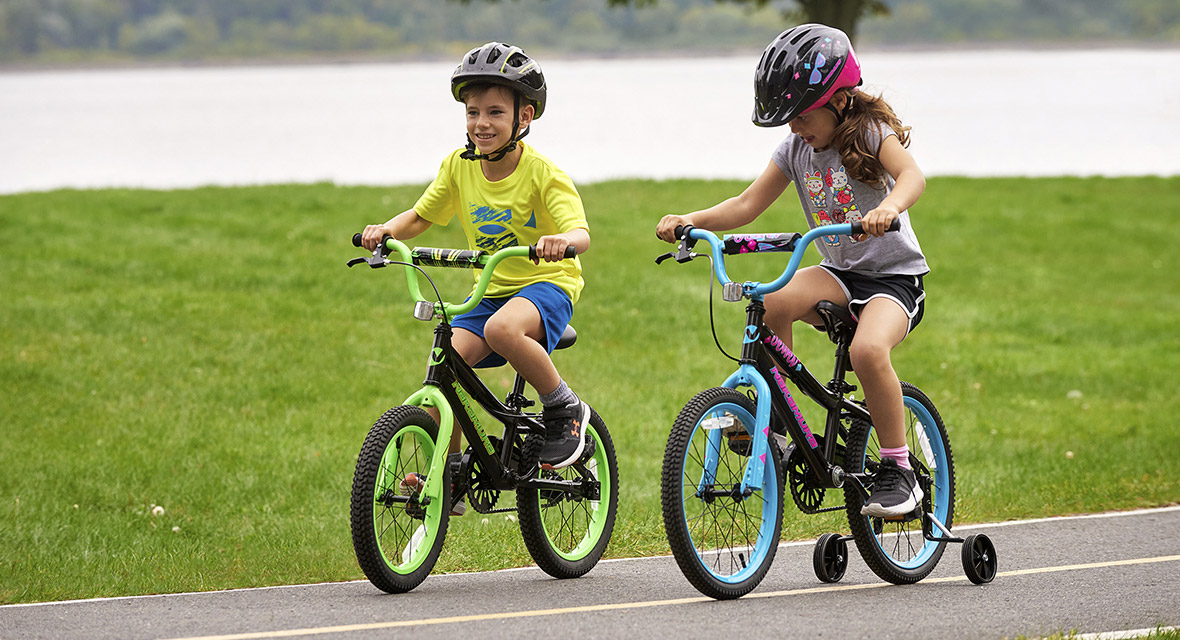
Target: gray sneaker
<point x="895" y="492"/>
<point x="565" y="431"/>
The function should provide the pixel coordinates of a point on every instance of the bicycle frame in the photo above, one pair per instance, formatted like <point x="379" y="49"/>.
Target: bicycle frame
<point x="450" y="382"/>
<point x="764" y="362"/>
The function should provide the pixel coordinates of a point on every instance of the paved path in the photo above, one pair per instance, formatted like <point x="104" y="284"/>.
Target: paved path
<point x="1097" y="573"/>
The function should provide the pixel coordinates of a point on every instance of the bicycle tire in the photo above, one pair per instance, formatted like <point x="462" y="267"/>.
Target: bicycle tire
<point x="398" y="543"/>
<point x="711" y="539"/>
<point x="896" y="550"/>
<point x="567" y="536"/>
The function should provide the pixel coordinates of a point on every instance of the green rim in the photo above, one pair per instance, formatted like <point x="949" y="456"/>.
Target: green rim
<point x="393" y="527"/>
<point x="586" y="516"/>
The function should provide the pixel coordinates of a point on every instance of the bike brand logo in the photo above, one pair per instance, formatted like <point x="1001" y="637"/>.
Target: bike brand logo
<point x="776" y="344"/>
<point x="782" y="385"/>
<point x="751" y="333"/>
<point x="483" y="436"/>
<point x="437" y="356"/>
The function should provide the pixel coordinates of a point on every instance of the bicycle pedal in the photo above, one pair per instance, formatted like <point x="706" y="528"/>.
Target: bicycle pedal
<point x="741" y="443"/>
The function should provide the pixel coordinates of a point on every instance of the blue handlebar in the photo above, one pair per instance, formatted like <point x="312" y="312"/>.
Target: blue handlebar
<point x="759" y="288"/>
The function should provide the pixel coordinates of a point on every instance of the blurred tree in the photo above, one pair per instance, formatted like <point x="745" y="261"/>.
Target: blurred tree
<point x="842" y="14"/>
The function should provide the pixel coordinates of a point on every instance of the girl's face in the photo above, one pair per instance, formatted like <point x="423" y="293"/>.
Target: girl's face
<point x="489" y="118"/>
<point x="818" y="126"/>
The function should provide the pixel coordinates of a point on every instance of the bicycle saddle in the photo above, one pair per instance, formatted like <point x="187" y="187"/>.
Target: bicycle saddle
<point x="838" y="321"/>
<point x="568" y="338"/>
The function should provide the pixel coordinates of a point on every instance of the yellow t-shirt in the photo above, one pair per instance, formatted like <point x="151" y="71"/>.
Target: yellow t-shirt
<point x="538" y="199"/>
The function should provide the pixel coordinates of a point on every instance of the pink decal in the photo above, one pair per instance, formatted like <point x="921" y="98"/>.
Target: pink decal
<point x="782" y="349"/>
<point x="782" y="385"/>
<point x="762" y="458"/>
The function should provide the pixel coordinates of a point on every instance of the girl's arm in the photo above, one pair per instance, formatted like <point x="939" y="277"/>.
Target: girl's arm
<point x="734" y="212"/>
<point x="908" y="187"/>
<point x="403" y="226"/>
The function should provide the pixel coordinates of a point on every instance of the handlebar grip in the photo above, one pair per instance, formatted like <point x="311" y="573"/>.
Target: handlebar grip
<point x="858" y="228"/>
<point x="570" y="252"/>
<point x="356" y="239"/>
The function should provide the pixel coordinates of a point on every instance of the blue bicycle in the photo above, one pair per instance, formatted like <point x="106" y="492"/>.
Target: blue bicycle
<point x="735" y="450"/>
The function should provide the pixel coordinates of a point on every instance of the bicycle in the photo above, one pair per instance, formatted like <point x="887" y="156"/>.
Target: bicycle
<point x="731" y="456"/>
<point x="406" y="483"/>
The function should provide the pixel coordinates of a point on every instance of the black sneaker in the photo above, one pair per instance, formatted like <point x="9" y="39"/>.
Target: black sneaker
<point x="895" y="492"/>
<point x="565" y="430"/>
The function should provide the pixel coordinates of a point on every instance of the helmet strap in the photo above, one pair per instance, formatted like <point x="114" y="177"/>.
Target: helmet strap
<point x="841" y="114"/>
<point x="498" y="155"/>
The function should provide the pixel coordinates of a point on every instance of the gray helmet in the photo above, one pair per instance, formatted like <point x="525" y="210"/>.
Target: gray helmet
<point x="502" y="64"/>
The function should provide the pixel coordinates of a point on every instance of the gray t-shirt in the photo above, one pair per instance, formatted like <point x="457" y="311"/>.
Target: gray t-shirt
<point x="830" y="196"/>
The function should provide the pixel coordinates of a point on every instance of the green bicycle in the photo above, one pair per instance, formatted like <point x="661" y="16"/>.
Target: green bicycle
<point x="406" y="482"/>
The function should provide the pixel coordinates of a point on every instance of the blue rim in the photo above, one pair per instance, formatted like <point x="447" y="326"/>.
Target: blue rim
<point x="770" y="496"/>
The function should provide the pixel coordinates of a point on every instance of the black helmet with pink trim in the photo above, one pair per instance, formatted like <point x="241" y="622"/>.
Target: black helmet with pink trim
<point x="505" y="65"/>
<point x="800" y="71"/>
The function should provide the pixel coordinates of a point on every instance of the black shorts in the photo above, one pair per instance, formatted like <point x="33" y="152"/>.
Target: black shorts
<point x="906" y="291"/>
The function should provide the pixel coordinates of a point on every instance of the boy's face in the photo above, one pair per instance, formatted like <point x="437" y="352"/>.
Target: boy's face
<point x="489" y="118"/>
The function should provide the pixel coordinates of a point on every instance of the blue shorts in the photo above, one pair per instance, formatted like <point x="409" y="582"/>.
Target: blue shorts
<point x="554" y="305"/>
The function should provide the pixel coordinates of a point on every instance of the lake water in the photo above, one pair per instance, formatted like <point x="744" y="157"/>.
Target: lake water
<point x="976" y="113"/>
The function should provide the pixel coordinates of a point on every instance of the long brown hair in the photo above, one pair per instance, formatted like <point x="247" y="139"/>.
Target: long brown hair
<point x="865" y="113"/>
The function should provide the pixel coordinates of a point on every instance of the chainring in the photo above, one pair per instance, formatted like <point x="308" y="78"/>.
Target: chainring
<point x="805" y="490"/>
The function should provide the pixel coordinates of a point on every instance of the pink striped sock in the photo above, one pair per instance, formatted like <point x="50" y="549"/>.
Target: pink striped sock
<point x="900" y="454"/>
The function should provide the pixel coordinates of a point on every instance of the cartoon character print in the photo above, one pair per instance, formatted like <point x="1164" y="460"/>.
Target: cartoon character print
<point x="851" y="213"/>
<point x="838" y="180"/>
<point x="822" y="218"/>
<point x="815" y="187"/>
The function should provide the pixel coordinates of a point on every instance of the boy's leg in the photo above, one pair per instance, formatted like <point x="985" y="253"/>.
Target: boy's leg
<point x="882" y="326"/>
<point x="518" y="332"/>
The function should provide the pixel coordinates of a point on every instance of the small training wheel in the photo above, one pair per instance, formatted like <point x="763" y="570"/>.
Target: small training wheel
<point x="979" y="558"/>
<point x="830" y="558"/>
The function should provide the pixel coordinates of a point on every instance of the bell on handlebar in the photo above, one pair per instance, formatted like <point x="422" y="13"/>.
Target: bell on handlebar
<point x="424" y="310"/>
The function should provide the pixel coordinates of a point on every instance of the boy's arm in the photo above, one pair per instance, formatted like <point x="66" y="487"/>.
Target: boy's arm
<point x="735" y="212"/>
<point x="403" y="226"/>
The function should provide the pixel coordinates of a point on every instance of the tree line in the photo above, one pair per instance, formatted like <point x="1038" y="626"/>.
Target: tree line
<point x="97" y="31"/>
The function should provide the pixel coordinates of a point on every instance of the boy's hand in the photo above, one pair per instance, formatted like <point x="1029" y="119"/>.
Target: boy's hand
<point x="551" y="248"/>
<point x="372" y="236"/>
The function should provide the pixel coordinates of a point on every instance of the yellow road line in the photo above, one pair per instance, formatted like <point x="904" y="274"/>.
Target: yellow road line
<point x="480" y="617"/>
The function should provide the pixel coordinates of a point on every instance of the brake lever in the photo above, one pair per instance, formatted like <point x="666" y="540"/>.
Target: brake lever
<point x="375" y="261"/>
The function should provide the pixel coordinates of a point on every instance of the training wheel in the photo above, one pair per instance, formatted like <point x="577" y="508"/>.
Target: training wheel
<point x="979" y="558"/>
<point x="830" y="558"/>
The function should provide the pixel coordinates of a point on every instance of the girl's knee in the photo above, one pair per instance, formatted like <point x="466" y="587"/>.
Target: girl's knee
<point x="868" y="355"/>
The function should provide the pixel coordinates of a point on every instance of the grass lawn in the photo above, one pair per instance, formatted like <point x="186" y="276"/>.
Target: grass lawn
<point x="188" y="375"/>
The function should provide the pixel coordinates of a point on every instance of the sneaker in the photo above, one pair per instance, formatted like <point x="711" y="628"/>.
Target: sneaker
<point x="895" y="492"/>
<point x="565" y="430"/>
<point x="414" y="483"/>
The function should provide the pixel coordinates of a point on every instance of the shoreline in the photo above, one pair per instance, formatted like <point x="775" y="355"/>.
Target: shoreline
<point x="348" y="59"/>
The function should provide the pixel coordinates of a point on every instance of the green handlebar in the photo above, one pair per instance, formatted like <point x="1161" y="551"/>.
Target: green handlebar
<point x="451" y="309"/>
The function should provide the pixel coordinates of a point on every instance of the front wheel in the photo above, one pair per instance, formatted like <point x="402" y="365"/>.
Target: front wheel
<point x="566" y="534"/>
<point x="724" y="539"/>
<point x="397" y="532"/>
<point x="897" y="549"/>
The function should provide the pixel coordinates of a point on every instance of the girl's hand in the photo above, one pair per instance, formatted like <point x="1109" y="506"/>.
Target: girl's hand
<point x="666" y="229"/>
<point x="372" y="236"/>
<point x="551" y="248"/>
<point x="878" y="220"/>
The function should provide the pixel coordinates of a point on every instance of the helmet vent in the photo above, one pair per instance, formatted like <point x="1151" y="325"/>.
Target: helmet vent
<point x="778" y="61"/>
<point x="493" y="55"/>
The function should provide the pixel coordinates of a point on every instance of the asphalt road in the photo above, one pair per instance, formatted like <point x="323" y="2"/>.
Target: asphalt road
<point x="1096" y="573"/>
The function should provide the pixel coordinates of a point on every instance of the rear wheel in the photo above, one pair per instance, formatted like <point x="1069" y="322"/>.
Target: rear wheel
<point x="566" y="534"/>
<point x="723" y="540"/>
<point x="397" y="532"/>
<point x="896" y="549"/>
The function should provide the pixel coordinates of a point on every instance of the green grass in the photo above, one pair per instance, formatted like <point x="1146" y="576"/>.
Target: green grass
<point x="206" y="351"/>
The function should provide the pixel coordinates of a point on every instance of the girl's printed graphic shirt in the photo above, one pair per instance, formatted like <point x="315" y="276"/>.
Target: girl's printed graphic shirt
<point x="830" y="196"/>
<point x="538" y="199"/>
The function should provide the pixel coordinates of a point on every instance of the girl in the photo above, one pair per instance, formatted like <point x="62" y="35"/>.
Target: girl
<point x="848" y="161"/>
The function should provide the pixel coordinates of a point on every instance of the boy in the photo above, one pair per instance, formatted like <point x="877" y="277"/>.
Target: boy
<point x="507" y="194"/>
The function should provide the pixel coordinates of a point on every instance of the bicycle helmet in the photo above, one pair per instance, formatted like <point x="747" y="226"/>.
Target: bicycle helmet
<point x="508" y="66"/>
<point x="800" y="71"/>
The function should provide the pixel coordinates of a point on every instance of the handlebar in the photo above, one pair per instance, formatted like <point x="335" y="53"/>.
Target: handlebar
<point x="752" y="243"/>
<point x="450" y="258"/>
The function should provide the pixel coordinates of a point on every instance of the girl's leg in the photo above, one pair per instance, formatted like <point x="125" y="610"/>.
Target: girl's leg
<point x="882" y="325"/>
<point x="797" y="301"/>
